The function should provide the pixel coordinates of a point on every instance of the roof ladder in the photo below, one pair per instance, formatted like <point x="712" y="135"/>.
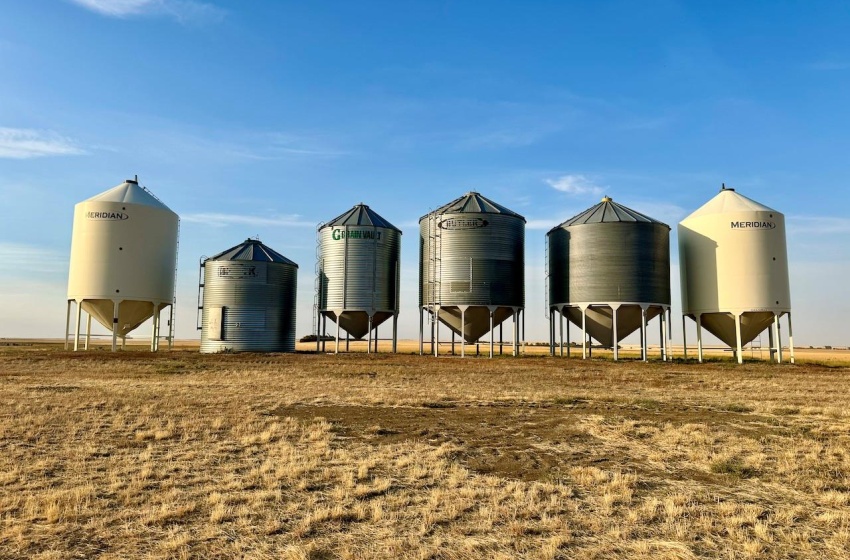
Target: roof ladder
<point x="199" y="314"/>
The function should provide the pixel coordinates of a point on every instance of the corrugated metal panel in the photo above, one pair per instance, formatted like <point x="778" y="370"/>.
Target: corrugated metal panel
<point x="610" y="262"/>
<point x="488" y="258"/>
<point x="358" y="271"/>
<point x="257" y="306"/>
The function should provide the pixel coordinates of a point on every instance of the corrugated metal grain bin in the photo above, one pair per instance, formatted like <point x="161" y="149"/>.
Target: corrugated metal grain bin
<point x="248" y="300"/>
<point x="472" y="268"/>
<point x="357" y="273"/>
<point x="609" y="273"/>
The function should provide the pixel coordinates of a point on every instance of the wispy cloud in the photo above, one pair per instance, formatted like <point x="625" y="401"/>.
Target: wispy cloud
<point x="181" y="10"/>
<point x="818" y="225"/>
<point x="504" y="138"/>
<point x="16" y="259"/>
<point x="647" y="123"/>
<point x="541" y="224"/>
<point x="574" y="184"/>
<point x="173" y="141"/>
<point x="300" y="145"/>
<point x="23" y="143"/>
<point x="223" y="220"/>
<point x="670" y="214"/>
<point x="830" y="65"/>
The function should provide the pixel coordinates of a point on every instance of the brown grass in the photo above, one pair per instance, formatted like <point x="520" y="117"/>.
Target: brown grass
<point x="179" y="455"/>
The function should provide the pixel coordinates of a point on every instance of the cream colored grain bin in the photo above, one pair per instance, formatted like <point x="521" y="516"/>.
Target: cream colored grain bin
<point x="123" y="261"/>
<point x="733" y="263"/>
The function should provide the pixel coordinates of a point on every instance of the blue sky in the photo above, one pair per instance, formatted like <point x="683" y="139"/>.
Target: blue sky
<point x="268" y="117"/>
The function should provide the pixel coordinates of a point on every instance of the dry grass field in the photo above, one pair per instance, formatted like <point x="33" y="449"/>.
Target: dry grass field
<point x="181" y="455"/>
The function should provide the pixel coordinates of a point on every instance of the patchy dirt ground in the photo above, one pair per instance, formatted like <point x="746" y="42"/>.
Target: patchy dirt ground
<point x="522" y="441"/>
<point x="182" y="455"/>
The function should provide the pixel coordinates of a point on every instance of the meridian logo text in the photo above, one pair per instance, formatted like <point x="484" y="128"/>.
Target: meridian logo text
<point x="107" y="215"/>
<point x="753" y="225"/>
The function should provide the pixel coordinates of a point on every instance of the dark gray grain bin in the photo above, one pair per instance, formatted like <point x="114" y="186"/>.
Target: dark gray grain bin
<point x="357" y="273"/>
<point x="247" y="298"/>
<point x="609" y="265"/>
<point x="471" y="268"/>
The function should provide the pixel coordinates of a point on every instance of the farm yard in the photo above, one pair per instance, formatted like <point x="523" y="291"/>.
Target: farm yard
<point x="314" y="456"/>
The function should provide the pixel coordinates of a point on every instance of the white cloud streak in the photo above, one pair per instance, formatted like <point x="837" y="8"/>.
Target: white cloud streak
<point x="17" y="259"/>
<point x="223" y="220"/>
<point x="542" y="224"/>
<point x="818" y="225"/>
<point x="575" y="185"/>
<point x="830" y="65"/>
<point x="23" y="143"/>
<point x="670" y="214"/>
<point x="180" y="10"/>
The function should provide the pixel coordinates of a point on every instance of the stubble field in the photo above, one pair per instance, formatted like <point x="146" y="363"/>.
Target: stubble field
<point x="181" y="455"/>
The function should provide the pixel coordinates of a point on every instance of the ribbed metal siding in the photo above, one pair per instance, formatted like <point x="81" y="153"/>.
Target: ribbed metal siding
<point x="258" y="301"/>
<point x="480" y="263"/>
<point x="358" y="273"/>
<point x="610" y="262"/>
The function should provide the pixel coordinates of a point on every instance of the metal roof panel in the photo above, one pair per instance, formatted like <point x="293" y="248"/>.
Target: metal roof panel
<point x="251" y="250"/>
<point x="360" y="215"/>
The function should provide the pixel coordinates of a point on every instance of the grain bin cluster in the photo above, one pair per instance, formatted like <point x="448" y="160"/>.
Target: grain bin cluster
<point x="607" y="274"/>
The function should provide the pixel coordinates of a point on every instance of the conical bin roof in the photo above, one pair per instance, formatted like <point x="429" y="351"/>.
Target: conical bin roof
<point x="473" y="202"/>
<point x="728" y="201"/>
<point x="130" y="192"/>
<point x="608" y="211"/>
<point x="360" y="215"/>
<point x="251" y="250"/>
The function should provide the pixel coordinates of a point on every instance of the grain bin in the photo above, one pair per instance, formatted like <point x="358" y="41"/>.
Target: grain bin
<point x="471" y="270"/>
<point x="733" y="263"/>
<point x="247" y="298"/>
<point x="357" y="276"/>
<point x="609" y="274"/>
<point x="123" y="262"/>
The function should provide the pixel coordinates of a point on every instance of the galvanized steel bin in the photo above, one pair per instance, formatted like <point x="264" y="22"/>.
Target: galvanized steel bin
<point x="248" y="300"/>
<point x="472" y="263"/>
<point x="358" y="270"/>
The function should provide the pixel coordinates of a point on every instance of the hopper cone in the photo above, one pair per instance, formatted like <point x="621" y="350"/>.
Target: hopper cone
<point x="356" y="323"/>
<point x="722" y="325"/>
<point x="131" y="314"/>
<point x="600" y="321"/>
<point x="477" y="321"/>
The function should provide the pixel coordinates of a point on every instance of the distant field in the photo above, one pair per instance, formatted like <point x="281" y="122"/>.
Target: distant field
<point x="309" y="456"/>
<point x="535" y="348"/>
